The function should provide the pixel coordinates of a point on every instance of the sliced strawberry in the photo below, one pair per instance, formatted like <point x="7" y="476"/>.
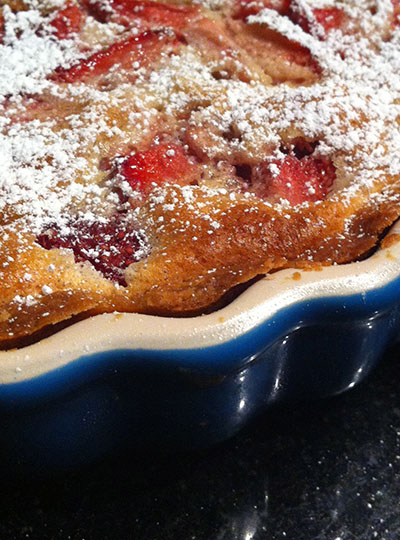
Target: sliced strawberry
<point x="160" y="164"/>
<point x="244" y="8"/>
<point x="329" y="18"/>
<point x="141" y="50"/>
<point x="110" y="247"/>
<point x="2" y="27"/>
<point x="297" y="54"/>
<point x="291" y="52"/>
<point x="396" y="12"/>
<point x="296" y="180"/>
<point x="156" y="14"/>
<point x="67" y="21"/>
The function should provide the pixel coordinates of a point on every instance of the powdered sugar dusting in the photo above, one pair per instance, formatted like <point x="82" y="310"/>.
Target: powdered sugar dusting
<point x="53" y="165"/>
<point x="26" y="57"/>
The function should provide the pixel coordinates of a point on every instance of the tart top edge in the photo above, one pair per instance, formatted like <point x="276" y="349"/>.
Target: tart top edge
<point x="154" y="155"/>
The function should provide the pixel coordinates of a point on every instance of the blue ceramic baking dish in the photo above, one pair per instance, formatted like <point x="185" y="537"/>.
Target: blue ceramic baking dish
<point x="128" y="381"/>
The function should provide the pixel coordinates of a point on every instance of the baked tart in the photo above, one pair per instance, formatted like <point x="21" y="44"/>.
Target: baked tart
<point x="155" y="156"/>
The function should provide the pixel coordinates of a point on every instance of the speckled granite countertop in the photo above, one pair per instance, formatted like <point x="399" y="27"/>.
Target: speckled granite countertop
<point x="323" y="471"/>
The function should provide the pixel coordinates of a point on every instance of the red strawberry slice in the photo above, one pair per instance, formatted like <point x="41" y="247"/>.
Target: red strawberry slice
<point x="160" y="164"/>
<point x="293" y="179"/>
<point x="110" y="247"/>
<point x="67" y="21"/>
<point x="142" y="49"/>
<point x="295" y="53"/>
<point x="2" y="27"/>
<point x="156" y="14"/>
<point x="244" y="8"/>
<point x="396" y="12"/>
<point x="329" y="18"/>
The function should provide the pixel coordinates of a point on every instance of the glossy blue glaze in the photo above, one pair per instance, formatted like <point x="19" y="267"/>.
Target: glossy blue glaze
<point x="190" y="398"/>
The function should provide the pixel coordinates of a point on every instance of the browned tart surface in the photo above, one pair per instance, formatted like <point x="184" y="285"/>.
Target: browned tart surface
<point x="153" y="156"/>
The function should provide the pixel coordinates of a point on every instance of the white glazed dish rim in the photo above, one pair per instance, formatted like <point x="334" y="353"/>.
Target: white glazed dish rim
<point x="260" y="302"/>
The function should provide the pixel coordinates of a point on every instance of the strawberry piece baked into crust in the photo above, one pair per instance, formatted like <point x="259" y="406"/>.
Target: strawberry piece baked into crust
<point x="138" y="50"/>
<point x="110" y="247"/>
<point x="160" y="164"/>
<point x="67" y="21"/>
<point x="157" y="154"/>
<point x="143" y="12"/>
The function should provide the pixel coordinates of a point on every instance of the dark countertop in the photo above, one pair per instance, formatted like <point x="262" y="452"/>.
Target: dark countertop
<point x="327" y="470"/>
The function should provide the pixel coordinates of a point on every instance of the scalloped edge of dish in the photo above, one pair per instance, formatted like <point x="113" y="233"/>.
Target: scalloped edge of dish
<point x="260" y="302"/>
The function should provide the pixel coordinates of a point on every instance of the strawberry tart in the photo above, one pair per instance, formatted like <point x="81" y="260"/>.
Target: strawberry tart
<point x="155" y="156"/>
